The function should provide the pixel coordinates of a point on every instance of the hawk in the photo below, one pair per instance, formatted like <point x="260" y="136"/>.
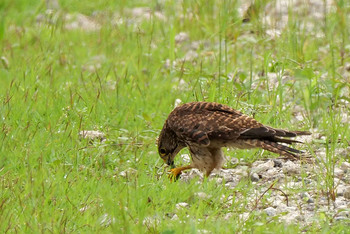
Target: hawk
<point x="206" y="127"/>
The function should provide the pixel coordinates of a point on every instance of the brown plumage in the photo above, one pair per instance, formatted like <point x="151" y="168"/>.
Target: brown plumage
<point x="205" y="127"/>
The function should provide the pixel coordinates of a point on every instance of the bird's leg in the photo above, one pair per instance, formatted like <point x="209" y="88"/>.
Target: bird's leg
<point x="208" y="172"/>
<point x="175" y="172"/>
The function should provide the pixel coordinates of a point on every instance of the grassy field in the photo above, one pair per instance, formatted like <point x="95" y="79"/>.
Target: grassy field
<point x="117" y="68"/>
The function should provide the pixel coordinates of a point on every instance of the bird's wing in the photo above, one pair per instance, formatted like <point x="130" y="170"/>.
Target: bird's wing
<point x="201" y="122"/>
<point x="234" y="123"/>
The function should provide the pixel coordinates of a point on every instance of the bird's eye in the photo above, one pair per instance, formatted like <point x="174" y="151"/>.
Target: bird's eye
<point x="162" y="152"/>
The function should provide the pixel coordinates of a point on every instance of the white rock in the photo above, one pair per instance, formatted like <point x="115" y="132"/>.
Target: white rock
<point x="231" y="185"/>
<point x="190" y="56"/>
<point x="337" y="181"/>
<point x="83" y="209"/>
<point x="341" y="218"/>
<point x="181" y="205"/>
<point x="177" y="102"/>
<point x="254" y="177"/>
<point x="291" y="168"/>
<point x="270" y="211"/>
<point x="345" y="166"/>
<point x="232" y="160"/>
<point x="203" y="230"/>
<point x="306" y="196"/>
<point x="347" y="192"/>
<point x="92" y="135"/>
<point x="282" y="207"/>
<point x="106" y="220"/>
<point x="242" y="171"/>
<point x="271" y="173"/>
<point x="291" y="218"/>
<point x="340" y="189"/>
<point x="228" y="216"/>
<point x="310" y="207"/>
<point x="263" y="167"/>
<point x="340" y="202"/>
<point x="344" y="213"/>
<point x="202" y="195"/>
<point x="219" y="180"/>
<point x="181" y="37"/>
<point x="128" y="172"/>
<point x="277" y="163"/>
<point x="150" y="221"/>
<point x="293" y="185"/>
<point x="228" y="175"/>
<point x="81" y="22"/>
<point x="244" y="216"/>
<point x="338" y="172"/>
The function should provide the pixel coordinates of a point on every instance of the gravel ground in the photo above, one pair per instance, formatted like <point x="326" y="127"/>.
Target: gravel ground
<point x="293" y="191"/>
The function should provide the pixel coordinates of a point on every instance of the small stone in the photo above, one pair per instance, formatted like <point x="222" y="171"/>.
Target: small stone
<point x="294" y="185"/>
<point x="231" y="185"/>
<point x="181" y="37"/>
<point x="343" y="207"/>
<point x="338" y="172"/>
<point x="190" y="55"/>
<point x="150" y="221"/>
<point x="219" y="180"/>
<point x="92" y="135"/>
<point x="340" y="189"/>
<point x="4" y="62"/>
<point x="282" y="207"/>
<point x="270" y="211"/>
<point x="254" y="177"/>
<point x="128" y="172"/>
<point x="106" y="220"/>
<point x="181" y="205"/>
<point x="228" y="216"/>
<point x="310" y="207"/>
<point x="306" y="196"/>
<point x="291" y="168"/>
<point x="263" y="167"/>
<point x="200" y="231"/>
<point x="347" y="192"/>
<point x="341" y="218"/>
<point x="344" y="213"/>
<point x="175" y="217"/>
<point x="81" y="22"/>
<point x="228" y="174"/>
<point x="277" y="163"/>
<point x="347" y="67"/>
<point x="244" y="216"/>
<point x="345" y="166"/>
<point x="232" y="160"/>
<point x="202" y="195"/>
<point x="83" y="209"/>
<point x="177" y="103"/>
<point x="291" y="218"/>
<point x="273" y="173"/>
<point x="242" y="171"/>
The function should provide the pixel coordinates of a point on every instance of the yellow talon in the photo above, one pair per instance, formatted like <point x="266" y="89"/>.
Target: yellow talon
<point x="176" y="172"/>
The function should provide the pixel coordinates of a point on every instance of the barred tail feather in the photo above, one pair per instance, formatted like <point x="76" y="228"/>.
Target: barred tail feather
<point x="276" y="148"/>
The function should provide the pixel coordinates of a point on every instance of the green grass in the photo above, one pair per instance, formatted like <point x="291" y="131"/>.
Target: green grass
<point x="52" y="181"/>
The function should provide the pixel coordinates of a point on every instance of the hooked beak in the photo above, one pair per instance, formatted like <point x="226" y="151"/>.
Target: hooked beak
<point x="170" y="162"/>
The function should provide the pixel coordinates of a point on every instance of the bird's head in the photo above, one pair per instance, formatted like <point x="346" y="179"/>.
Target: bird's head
<point x="168" y="146"/>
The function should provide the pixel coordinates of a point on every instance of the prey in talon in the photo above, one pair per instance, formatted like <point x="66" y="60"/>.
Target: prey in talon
<point x="206" y="127"/>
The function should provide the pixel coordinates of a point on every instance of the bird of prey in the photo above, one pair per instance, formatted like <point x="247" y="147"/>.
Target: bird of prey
<point x="205" y="127"/>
